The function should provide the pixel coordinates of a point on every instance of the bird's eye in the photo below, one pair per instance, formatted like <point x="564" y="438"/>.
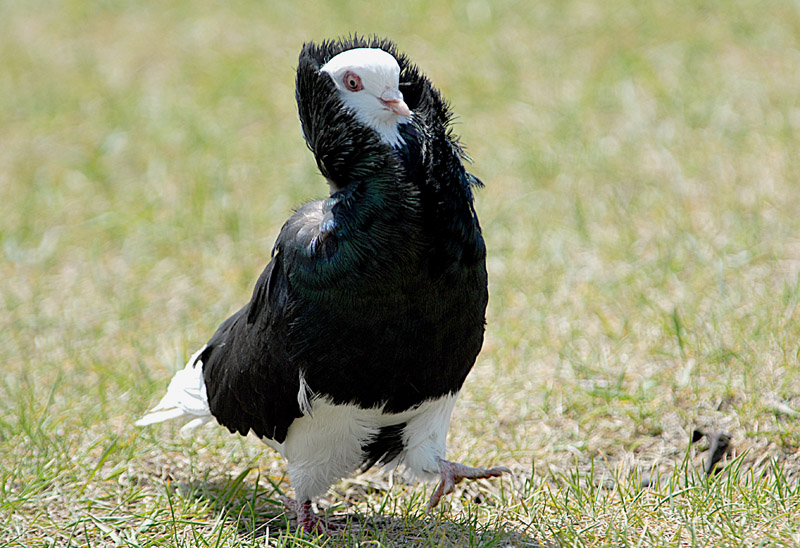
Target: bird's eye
<point x="352" y="82"/>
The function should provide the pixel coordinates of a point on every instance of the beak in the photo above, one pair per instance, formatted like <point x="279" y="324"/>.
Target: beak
<point x="393" y="100"/>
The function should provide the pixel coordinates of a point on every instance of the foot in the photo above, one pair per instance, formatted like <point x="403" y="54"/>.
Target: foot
<point x="307" y="520"/>
<point x="453" y="472"/>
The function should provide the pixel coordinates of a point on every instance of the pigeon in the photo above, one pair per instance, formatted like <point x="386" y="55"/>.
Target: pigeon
<point x="371" y="312"/>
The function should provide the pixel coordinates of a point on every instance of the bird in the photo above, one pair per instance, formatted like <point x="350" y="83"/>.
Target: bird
<point x="370" y="313"/>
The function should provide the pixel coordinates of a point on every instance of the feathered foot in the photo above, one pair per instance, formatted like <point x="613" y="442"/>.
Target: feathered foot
<point x="453" y="472"/>
<point x="307" y="520"/>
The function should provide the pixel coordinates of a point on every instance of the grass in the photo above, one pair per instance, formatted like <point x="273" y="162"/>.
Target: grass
<point x="641" y="213"/>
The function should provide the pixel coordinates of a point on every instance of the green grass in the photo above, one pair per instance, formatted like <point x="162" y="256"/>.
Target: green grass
<point x="642" y="217"/>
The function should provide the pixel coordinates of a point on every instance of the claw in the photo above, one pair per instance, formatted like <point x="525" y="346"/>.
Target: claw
<point x="307" y="520"/>
<point x="453" y="472"/>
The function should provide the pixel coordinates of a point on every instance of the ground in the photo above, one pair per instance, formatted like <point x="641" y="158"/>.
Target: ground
<point x="641" y="215"/>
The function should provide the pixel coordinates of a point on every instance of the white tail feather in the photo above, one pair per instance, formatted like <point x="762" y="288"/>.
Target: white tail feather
<point x="186" y="398"/>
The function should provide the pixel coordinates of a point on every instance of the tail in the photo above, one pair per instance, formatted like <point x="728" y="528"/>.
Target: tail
<point x="185" y="398"/>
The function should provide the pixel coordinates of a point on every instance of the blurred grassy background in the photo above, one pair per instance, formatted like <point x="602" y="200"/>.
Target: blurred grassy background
<point x="641" y="212"/>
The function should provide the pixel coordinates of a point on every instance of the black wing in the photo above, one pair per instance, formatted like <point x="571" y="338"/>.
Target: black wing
<point x="251" y="379"/>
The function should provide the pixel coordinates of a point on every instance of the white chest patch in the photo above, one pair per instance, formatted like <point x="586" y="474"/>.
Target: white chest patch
<point x="327" y="443"/>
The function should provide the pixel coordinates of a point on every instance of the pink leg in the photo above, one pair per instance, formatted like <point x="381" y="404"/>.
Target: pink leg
<point x="453" y="472"/>
<point x="307" y="520"/>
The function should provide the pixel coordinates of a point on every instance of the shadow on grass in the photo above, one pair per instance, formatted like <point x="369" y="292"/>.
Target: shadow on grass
<point x="257" y="513"/>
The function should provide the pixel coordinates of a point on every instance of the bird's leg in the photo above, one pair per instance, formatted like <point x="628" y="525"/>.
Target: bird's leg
<point x="453" y="472"/>
<point x="307" y="520"/>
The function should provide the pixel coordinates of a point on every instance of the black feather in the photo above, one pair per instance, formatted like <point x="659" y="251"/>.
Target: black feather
<point x="384" y="447"/>
<point x="377" y="294"/>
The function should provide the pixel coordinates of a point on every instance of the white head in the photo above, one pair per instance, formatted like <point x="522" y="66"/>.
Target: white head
<point x="368" y="82"/>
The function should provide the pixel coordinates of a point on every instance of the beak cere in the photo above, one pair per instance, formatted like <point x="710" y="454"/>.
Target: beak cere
<point x="398" y="107"/>
<point x="393" y="100"/>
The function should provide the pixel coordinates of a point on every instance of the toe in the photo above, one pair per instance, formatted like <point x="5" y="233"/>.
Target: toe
<point x="498" y="471"/>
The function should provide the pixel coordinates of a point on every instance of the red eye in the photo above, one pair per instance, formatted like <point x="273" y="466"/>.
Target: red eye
<point x="352" y="82"/>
